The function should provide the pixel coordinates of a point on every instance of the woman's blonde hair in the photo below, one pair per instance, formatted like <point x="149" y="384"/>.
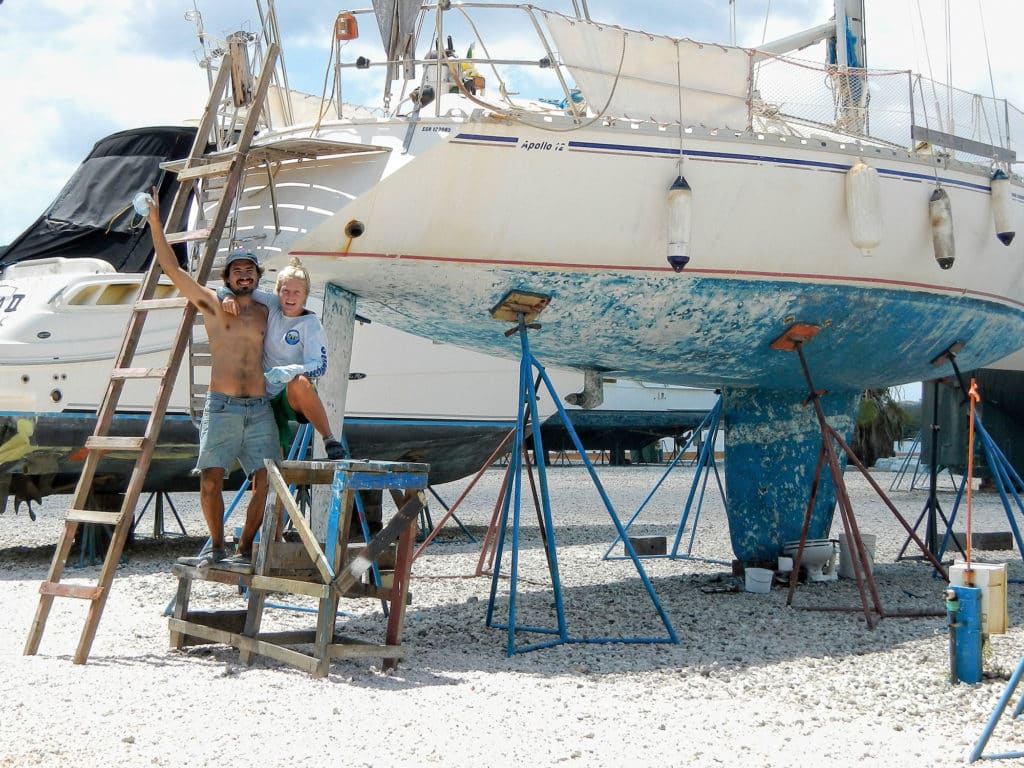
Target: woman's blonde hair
<point x="293" y="270"/>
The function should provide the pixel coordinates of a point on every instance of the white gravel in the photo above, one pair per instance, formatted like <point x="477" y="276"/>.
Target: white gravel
<point x="751" y="682"/>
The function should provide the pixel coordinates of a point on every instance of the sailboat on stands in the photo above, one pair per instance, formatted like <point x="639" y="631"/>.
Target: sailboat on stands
<point x="678" y="205"/>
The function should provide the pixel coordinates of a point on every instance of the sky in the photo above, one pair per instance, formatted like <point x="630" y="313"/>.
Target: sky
<point x="74" y="71"/>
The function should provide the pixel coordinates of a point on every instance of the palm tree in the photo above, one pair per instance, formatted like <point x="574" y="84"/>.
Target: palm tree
<point x="880" y="423"/>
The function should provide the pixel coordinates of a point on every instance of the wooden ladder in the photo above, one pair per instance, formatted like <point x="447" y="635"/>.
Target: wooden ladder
<point x="198" y="166"/>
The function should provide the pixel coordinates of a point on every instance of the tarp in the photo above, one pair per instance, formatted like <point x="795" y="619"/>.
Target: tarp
<point x="89" y="217"/>
<point x="646" y="77"/>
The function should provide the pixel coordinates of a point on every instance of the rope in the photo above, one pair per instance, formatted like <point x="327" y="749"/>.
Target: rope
<point x="600" y="114"/>
<point x="974" y="398"/>
<point x="679" y="95"/>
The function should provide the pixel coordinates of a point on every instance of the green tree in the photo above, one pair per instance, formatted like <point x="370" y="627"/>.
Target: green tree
<point x="880" y="423"/>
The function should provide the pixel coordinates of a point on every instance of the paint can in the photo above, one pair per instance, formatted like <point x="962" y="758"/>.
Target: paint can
<point x="846" y="554"/>
<point x="758" y="580"/>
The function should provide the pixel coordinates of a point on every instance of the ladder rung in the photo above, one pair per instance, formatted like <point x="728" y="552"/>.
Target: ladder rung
<point x="199" y="353"/>
<point x="115" y="443"/>
<point x="222" y="168"/>
<point x="177" y="302"/>
<point x="138" y="373"/>
<point x="93" y="516"/>
<point x="189" y="236"/>
<point x="71" y="590"/>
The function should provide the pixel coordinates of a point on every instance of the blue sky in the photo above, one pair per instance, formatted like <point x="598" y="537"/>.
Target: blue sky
<point x="72" y="71"/>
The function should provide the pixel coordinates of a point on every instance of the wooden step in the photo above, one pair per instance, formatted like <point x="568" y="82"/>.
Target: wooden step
<point x="205" y="170"/>
<point x="81" y="591"/>
<point x="199" y="353"/>
<point x="188" y="236"/>
<point x="114" y="443"/>
<point x="138" y="373"/>
<point x="145" y="305"/>
<point x="93" y="516"/>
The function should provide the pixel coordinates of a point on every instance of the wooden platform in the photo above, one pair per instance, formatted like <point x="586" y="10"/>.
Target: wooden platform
<point x="327" y="573"/>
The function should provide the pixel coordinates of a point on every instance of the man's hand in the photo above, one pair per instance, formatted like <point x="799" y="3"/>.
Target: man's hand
<point x="229" y="305"/>
<point x="282" y="374"/>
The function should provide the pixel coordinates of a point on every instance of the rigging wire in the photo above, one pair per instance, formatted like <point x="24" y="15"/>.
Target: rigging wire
<point x="991" y="77"/>
<point x="764" y="29"/>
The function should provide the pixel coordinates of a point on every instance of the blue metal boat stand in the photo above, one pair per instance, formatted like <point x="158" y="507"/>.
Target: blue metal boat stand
<point x="522" y="308"/>
<point x="997" y="713"/>
<point x="1006" y="479"/>
<point x="706" y="465"/>
<point x="793" y="340"/>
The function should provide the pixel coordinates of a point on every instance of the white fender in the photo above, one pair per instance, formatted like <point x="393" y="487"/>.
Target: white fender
<point x="1001" y="207"/>
<point x="864" y="207"/>
<point x="941" y="212"/>
<point x="680" y="209"/>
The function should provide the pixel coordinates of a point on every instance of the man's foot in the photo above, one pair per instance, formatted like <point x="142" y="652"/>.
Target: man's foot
<point x="335" y="450"/>
<point x="209" y="558"/>
<point x="240" y="562"/>
<point x="240" y="558"/>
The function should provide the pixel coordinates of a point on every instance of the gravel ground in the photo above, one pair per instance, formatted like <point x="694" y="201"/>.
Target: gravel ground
<point x="751" y="681"/>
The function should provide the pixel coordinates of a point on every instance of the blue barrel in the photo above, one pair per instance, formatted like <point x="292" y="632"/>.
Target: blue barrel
<point x="968" y="634"/>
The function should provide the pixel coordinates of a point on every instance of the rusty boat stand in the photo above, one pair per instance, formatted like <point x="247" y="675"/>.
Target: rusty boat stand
<point x="793" y="340"/>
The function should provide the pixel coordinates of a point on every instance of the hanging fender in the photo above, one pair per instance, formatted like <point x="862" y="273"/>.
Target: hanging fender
<point x="940" y="210"/>
<point x="864" y="207"/>
<point x="1001" y="207"/>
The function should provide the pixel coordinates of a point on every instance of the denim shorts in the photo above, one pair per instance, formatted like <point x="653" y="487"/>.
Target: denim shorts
<point x="240" y="428"/>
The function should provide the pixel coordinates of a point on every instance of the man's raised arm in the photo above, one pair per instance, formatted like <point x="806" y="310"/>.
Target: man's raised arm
<point x="204" y="298"/>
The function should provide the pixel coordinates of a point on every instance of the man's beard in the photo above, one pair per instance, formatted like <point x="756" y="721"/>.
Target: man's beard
<point x="243" y="290"/>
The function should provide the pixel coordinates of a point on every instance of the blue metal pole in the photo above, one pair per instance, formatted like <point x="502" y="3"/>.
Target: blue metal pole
<point x="1011" y="686"/>
<point x="702" y="459"/>
<point x="968" y="635"/>
<point x="672" y="465"/>
<point x="542" y="476"/>
<point x="611" y="512"/>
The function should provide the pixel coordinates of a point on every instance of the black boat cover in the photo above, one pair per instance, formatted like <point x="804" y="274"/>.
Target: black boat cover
<point x="93" y="216"/>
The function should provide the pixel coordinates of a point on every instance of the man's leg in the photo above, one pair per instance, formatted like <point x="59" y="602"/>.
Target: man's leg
<point x="254" y="512"/>
<point x="211" y="499"/>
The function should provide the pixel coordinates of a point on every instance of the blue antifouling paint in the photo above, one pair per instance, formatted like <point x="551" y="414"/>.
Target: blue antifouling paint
<point x="772" y="442"/>
<point x="968" y="635"/>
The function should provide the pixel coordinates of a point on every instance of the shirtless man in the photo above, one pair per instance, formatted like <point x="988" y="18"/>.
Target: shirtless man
<point x="237" y="420"/>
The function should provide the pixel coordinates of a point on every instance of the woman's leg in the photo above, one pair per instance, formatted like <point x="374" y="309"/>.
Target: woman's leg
<point x="304" y="400"/>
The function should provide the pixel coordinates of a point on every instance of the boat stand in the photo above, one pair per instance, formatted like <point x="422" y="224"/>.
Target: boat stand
<point x="997" y="713"/>
<point x="932" y="508"/>
<point x="706" y="465"/>
<point x="522" y="308"/>
<point x="793" y="340"/>
<point x="1007" y="481"/>
<point x="159" y="530"/>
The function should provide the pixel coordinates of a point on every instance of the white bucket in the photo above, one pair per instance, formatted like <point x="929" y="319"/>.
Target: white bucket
<point x="846" y="554"/>
<point x="758" y="580"/>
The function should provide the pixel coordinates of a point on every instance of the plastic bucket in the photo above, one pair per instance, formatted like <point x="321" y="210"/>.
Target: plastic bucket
<point x="846" y="554"/>
<point x="758" y="580"/>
